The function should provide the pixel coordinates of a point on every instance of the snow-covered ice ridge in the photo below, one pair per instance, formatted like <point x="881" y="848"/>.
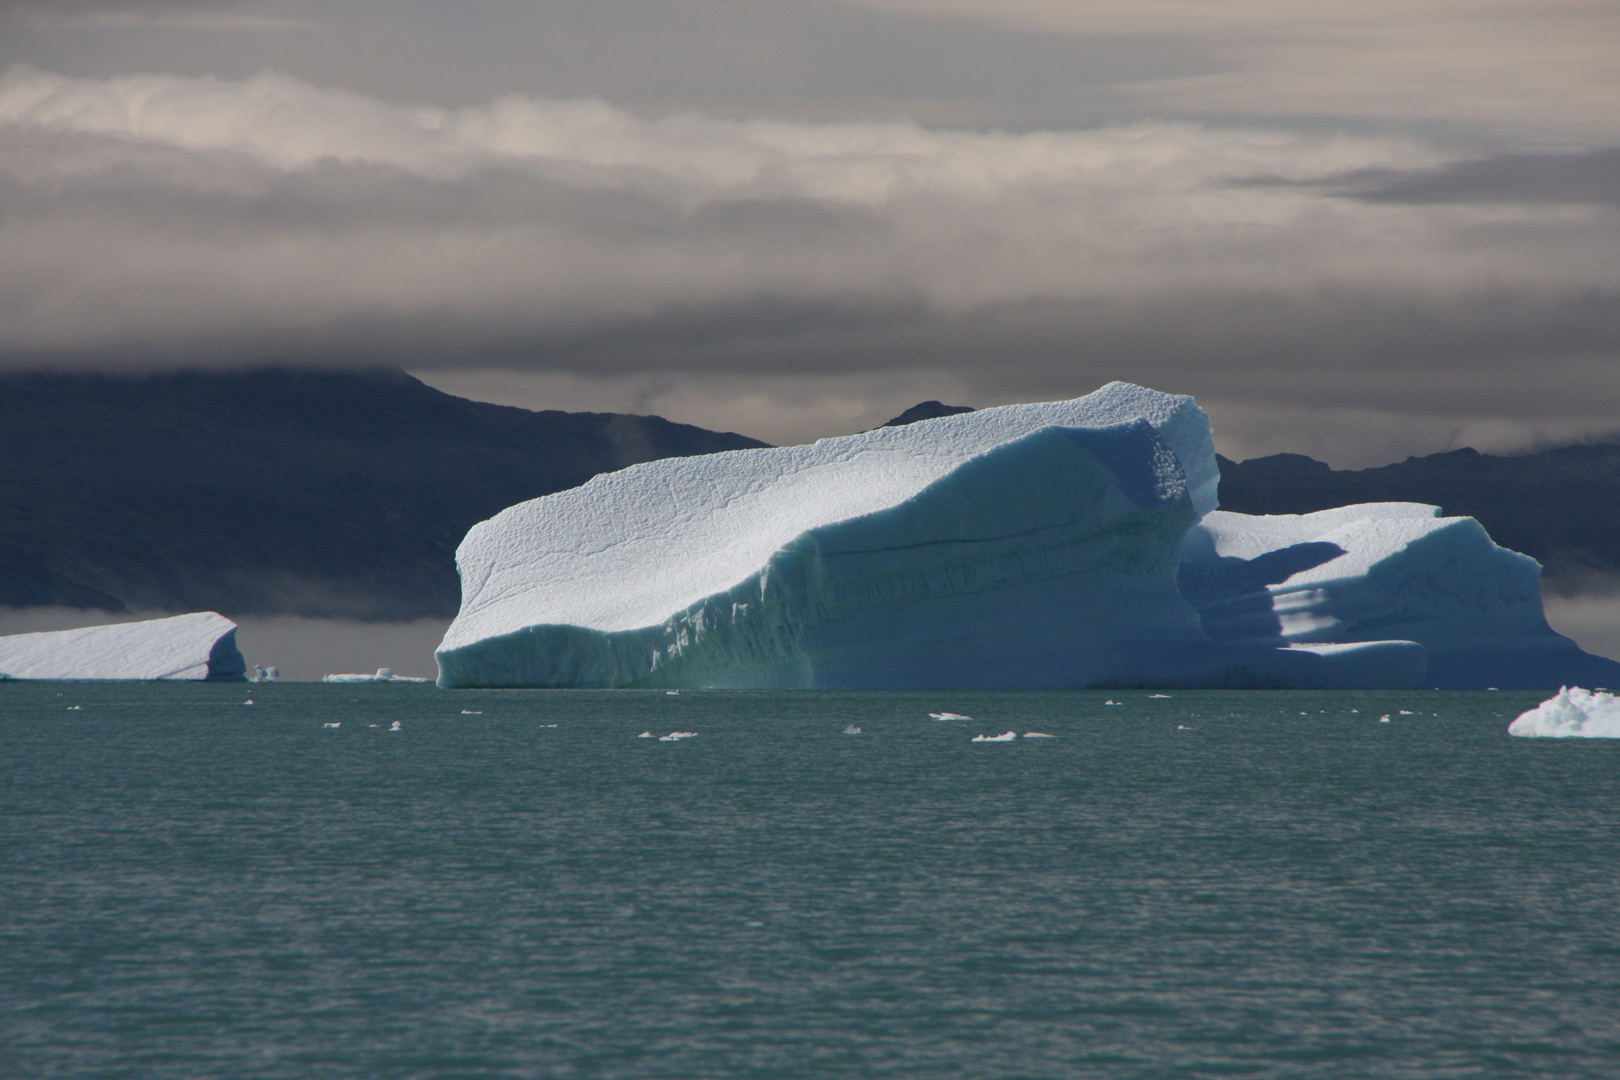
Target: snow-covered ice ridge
<point x="199" y="646"/>
<point x="1062" y="544"/>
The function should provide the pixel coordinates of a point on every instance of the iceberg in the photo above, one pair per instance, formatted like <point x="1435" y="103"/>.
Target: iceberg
<point x="1028" y="546"/>
<point x="383" y="675"/>
<point x="1055" y="545"/>
<point x="1571" y="713"/>
<point x="200" y="646"/>
<point x="1379" y="571"/>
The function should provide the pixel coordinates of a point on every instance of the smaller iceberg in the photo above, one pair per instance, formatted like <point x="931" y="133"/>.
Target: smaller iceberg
<point x="199" y="647"/>
<point x="1572" y="713"/>
<point x="1004" y="737"/>
<point x="383" y="675"/>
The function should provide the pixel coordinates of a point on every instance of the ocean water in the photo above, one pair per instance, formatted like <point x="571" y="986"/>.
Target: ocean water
<point x="514" y="885"/>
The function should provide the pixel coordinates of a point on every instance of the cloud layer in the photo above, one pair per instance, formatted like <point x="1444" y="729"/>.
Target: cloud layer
<point x="161" y="220"/>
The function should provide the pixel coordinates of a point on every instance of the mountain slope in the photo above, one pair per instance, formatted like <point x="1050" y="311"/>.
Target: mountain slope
<point x="277" y="491"/>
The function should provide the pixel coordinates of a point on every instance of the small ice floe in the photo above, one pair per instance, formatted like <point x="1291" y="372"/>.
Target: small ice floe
<point x="851" y="729"/>
<point x="948" y="716"/>
<point x="1571" y="713"/>
<point x="472" y="712"/>
<point x="337" y="723"/>
<point x="645" y="735"/>
<point x="1005" y="737"/>
<point x="1111" y="701"/>
<point x="672" y="693"/>
<point x="1407" y="712"/>
<point x="383" y="675"/>
<point x="1184" y="727"/>
<point x="396" y="726"/>
<point x="249" y="701"/>
<point x="1158" y="695"/>
<point x="1384" y="719"/>
<point x="548" y="725"/>
<point x="1038" y="735"/>
<point x="372" y="725"/>
<point x="677" y="736"/>
<point x="74" y="708"/>
<point x="1355" y="710"/>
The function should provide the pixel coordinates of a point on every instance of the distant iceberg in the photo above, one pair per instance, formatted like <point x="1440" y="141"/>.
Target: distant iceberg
<point x="199" y="647"/>
<point x="1571" y="713"/>
<point x="383" y="675"/>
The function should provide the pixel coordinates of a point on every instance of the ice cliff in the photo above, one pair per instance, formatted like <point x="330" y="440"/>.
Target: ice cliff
<point x="199" y="646"/>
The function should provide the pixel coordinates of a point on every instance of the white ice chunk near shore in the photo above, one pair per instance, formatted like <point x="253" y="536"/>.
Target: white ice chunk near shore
<point x="199" y="647"/>
<point x="1571" y="713"/>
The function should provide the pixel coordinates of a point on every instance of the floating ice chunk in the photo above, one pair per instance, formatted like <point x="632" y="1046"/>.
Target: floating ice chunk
<point x="645" y="735"/>
<point x="1384" y="719"/>
<point x="677" y="736"/>
<point x="1407" y="712"/>
<point x="1158" y="695"/>
<point x="948" y="716"/>
<point x="851" y="729"/>
<point x="396" y="726"/>
<point x="1571" y="713"/>
<point x="196" y="647"/>
<point x="383" y="675"/>
<point x="332" y="724"/>
<point x="472" y="712"/>
<point x="1005" y="737"/>
<point x="1037" y="735"/>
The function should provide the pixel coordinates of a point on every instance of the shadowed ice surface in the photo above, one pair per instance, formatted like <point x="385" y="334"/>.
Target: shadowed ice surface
<point x="1205" y="884"/>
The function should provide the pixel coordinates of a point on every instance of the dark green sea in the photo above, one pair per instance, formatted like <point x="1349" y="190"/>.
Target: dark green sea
<point x="1210" y="884"/>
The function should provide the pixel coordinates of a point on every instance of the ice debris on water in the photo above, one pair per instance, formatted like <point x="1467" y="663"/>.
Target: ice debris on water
<point x="335" y="723"/>
<point x="1571" y="713"/>
<point x="677" y="736"/>
<point x="645" y="735"/>
<point x="851" y="729"/>
<point x="1384" y="719"/>
<point x="1038" y="735"/>
<point x="1008" y="736"/>
<point x="1158" y="695"/>
<point x="396" y="726"/>
<point x="472" y="712"/>
<point x="948" y="716"/>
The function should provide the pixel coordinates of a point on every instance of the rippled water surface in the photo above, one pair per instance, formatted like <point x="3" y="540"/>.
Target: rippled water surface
<point x="1209" y="884"/>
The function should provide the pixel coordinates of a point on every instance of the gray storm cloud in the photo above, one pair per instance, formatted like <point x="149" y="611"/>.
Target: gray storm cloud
<point x="162" y="220"/>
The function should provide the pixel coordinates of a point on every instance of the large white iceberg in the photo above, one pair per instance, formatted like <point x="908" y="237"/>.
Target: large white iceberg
<point x="1377" y="571"/>
<point x="199" y="646"/>
<point x="1571" y="713"/>
<point x="1065" y="544"/>
<point x="1024" y="546"/>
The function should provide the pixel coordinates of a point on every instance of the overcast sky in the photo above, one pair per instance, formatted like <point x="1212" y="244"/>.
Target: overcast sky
<point x="1357" y="230"/>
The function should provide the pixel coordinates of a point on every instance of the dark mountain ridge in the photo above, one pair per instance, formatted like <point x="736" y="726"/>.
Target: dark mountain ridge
<point x="278" y="491"/>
